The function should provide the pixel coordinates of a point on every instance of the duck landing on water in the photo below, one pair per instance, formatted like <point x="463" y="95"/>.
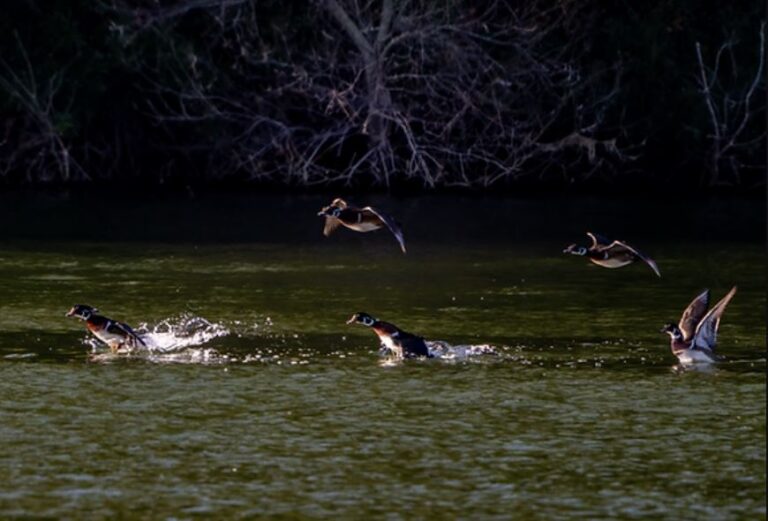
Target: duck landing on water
<point x="395" y="340"/>
<point x="365" y="219"/>
<point x="113" y="333"/>
<point x="694" y="338"/>
<point x="610" y="254"/>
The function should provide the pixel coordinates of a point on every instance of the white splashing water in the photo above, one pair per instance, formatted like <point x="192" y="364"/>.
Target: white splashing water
<point x="180" y="333"/>
<point x="173" y="340"/>
<point x="191" y="355"/>
<point x="442" y="350"/>
<point x="446" y="351"/>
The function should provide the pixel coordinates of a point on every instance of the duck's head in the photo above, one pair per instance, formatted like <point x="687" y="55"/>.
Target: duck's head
<point x="672" y="330"/>
<point x="82" y="311"/>
<point x="362" y="318"/>
<point x="575" y="249"/>
<point x="330" y="211"/>
<point x="333" y="209"/>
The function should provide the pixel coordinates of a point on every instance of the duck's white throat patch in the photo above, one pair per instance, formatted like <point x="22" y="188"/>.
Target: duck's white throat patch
<point x="388" y="342"/>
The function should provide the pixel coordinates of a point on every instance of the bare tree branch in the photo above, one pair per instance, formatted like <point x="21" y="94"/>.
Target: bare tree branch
<point x="729" y="124"/>
<point x="439" y="93"/>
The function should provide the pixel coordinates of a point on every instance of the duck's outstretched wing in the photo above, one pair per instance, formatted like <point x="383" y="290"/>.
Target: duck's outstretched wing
<point x="706" y="332"/>
<point x="598" y="240"/>
<point x="120" y="328"/>
<point x="618" y="247"/>
<point x="331" y="223"/>
<point x="391" y="224"/>
<point x="693" y="315"/>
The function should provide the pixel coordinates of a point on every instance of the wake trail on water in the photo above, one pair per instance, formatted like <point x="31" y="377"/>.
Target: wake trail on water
<point x="447" y="351"/>
<point x="182" y="339"/>
<point x="175" y="339"/>
<point x="443" y="351"/>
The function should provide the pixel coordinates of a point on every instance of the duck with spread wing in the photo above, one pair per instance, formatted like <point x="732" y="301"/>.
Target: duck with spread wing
<point x="610" y="254"/>
<point x="693" y="339"/>
<point x="365" y="219"/>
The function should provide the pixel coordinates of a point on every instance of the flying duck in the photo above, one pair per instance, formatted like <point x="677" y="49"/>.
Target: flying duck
<point x="693" y="339"/>
<point x="396" y="341"/>
<point x="113" y="333"/>
<point x="365" y="219"/>
<point x="610" y="254"/>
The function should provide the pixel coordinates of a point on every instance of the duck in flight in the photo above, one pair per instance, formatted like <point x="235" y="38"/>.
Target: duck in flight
<point x="693" y="339"/>
<point x="610" y="254"/>
<point x="395" y="340"/>
<point x="113" y="333"/>
<point x="365" y="219"/>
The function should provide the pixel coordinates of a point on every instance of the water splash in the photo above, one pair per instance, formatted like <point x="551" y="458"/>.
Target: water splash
<point x="173" y="340"/>
<point x="447" y="351"/>
<point x="441" y="350"/>
<point x="180" y="333"/>
<point x="191" y="355"/>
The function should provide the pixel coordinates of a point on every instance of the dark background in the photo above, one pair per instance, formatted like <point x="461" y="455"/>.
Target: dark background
<point x="200" y="95"/>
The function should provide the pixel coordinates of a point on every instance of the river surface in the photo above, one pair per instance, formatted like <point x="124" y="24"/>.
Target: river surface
<point x="552" y="396"/>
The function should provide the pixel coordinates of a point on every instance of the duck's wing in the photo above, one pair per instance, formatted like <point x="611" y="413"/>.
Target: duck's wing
<point x="331" y="223"/>
<point x="124" y="329"/>
<point x="693" y="314"/>
<point x="597" y="240"/>
<point x="391" y="224"/>
<point x="618" y="247"/>
<point x="706" y="331"/>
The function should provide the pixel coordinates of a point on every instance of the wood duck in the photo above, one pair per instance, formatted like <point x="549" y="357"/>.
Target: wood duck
<point x="693" y="339"/>
<point x="610" y="254"/>
<point x="396" y="341"/>
<point x="113" y="333"/>
<point x="365" y="219"/>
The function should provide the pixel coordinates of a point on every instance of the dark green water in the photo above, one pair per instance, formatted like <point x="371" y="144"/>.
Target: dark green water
<point x="557" y="398"/>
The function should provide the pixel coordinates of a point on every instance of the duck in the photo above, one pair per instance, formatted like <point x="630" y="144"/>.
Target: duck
<point x="694" y="338"/>
<point x="398" y="342"/>
<point x="610" y="254"/>
<point x="366" y="219"/>
<point x="116" y="335"/>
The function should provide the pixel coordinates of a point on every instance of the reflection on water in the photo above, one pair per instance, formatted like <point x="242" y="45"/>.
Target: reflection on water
<point x="552" y="395"/>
